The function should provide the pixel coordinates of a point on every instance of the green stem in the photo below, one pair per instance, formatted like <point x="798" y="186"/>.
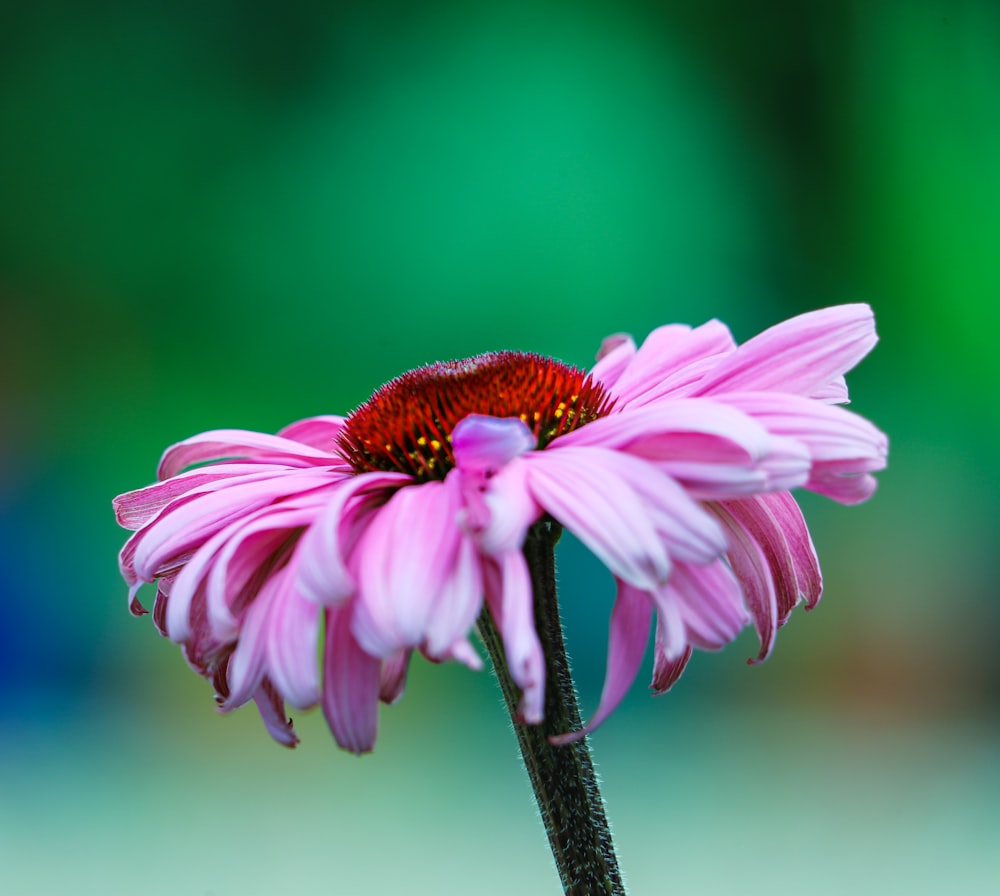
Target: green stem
<point x="563" y="778"/>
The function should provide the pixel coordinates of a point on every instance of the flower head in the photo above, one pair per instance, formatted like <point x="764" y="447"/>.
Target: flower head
<point x="387" y="531"/>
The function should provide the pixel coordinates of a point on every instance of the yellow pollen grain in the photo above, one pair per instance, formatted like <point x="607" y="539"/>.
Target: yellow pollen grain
<point x="422" y="441"/>
<point x="557" y="413"/>
<point x="435" y="444"/>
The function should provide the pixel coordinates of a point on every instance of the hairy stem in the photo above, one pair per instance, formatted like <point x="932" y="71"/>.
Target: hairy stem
<point x="563" y="778"/>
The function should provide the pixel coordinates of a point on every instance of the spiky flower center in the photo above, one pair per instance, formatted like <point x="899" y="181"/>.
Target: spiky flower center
<point x="407" y="424"/>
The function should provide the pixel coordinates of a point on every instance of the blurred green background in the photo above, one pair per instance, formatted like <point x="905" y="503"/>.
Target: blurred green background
<point x="238" y="214"/>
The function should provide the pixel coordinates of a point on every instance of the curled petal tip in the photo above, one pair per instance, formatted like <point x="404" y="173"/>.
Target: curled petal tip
<point x="135" y="607"/>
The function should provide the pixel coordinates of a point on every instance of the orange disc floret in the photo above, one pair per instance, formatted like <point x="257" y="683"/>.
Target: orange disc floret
<point x="406" y="425"/>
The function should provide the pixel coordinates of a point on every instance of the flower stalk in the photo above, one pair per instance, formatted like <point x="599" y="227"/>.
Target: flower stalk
<point x="562" y="777"/>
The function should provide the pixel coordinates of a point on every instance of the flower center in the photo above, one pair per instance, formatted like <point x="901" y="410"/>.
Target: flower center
<point x="407" y="424"/>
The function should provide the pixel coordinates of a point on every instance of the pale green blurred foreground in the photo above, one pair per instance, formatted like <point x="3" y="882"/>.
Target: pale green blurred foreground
<point x="770" y="803"/>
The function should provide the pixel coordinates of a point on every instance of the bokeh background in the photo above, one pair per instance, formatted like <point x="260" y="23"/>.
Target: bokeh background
<point x="238" y="214"/>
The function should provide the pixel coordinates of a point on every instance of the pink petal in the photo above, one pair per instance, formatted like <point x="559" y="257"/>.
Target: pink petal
<point x="214" y="484"/>
<point x="848" y="487"/>
<point x="485" y="444"/>
<point x="172" y="536"/>
<point x="219" y="444"/>
<point x="804" y="355"/>
<point x="136" y="508"/>
<point x="160" y="606"/>
<point x="682" y="525"/>
<point x="750" y="566"/>
<point x="248" y="556"/>
<point x="670" y="649"/>
<point x="709" y="604"/>
<point x="833" y="392"/>
<point x="272" y="711"/>
<point x="583" y="490"/>
<point x="393" y="678"/>
<point x="680" y="429"/>
<point x="135" y="607"/>
<point x="630" y="620"/>
<point x="666" y="671"/>
<point x="317" y="432"/>
<point x="788" y="516"/>
<point x="457" y="603"/>
<point x="786" y="465"/>
<point x="225" y="591"/>
<point x="613" y="357"/>
<point x="510" y="599"/>
<point x="499" y="511"/>
<point x="200" y="647"/>
<point x="776" y="524"/>
<point x="406" y="557"/>
<point x="248" y="662"/>
<point x="670" y="360"/>
<point x="351" y="684"/>
<point x="292" y="634"/>
<point x="463" y="651"/>
<point x="843" y="447"/>
<point x="323" y="573"/>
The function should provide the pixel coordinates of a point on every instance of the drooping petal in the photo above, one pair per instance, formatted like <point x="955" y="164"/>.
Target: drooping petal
<point x="788" y="517"/>
<point x="393" y="679"/>
<point x="351" y="684"/>
<point x="248" y="557"/>
<point x="220" y="444"/>
<point x="405" y="559"/>
<point x="671" y="633"/>
<point x="163" y="588"/>
<point x="463" y="651"/>
<point x="776" y="524"/>
<point x="248" y="663"/>
<point x="510" y="599"/>
<point x="194" y="573"/>
<point x="292" y="634"/>
<point x="272" y="711"/>
<point x="751" y="568"/>
<point x="629" y="633"/>
<point x="804" y="355"/>
<point x="666" y="671"/>
<point x="709" y="605"/>
<point x="457" y="603"/>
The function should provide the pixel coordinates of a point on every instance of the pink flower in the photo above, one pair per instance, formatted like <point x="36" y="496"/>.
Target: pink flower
<point x="386" y="531"/>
